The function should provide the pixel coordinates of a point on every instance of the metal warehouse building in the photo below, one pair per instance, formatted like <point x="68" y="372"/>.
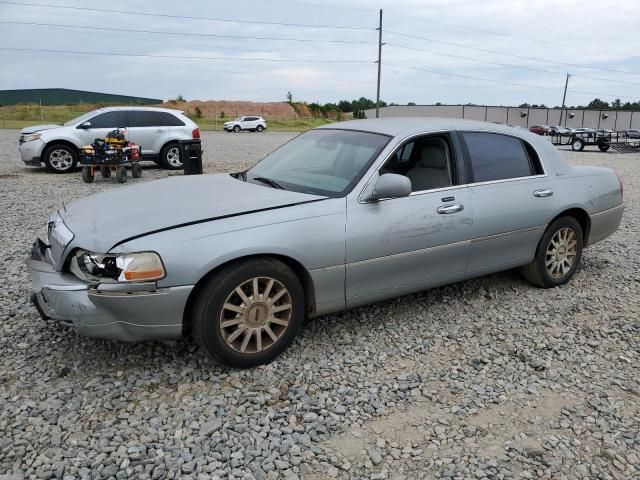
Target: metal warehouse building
<point x="524" y="117"/>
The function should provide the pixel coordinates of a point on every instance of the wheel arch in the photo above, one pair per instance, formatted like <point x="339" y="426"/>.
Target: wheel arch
<point x="300" y="271"/>
<point x="166" y="145"/>
<point x="60" y="141"/>
<point x="581" y="216"/>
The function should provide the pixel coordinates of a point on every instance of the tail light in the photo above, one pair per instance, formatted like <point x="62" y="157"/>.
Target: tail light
<point x="196" y="133"/>
<point x="621" y="185"/>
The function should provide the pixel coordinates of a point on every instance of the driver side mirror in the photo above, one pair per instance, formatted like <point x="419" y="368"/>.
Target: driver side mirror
<point x="390" y="185"/>
<point x="85" y="125"/>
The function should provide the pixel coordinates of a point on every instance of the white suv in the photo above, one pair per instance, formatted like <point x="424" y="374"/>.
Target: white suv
<point x="156" y="130"/>
<point x="253" y="124"/>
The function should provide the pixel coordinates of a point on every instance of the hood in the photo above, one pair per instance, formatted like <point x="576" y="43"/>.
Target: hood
<point x="38" y="128"/>
<point x="101" y="221"/>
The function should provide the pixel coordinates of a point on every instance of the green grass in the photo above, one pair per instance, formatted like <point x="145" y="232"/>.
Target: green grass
<point x="22" y="116"/>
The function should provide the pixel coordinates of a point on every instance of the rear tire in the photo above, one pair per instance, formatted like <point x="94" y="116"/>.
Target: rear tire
<point x="604" y="146"/>
<point x="60" y="158"/>
<point x="136" y="170"/>
<point x="87" y="175"/>
<point x="558" y="254"/>
<point x="254" y="327"/>
<point x="121" y="174"/>
<point x="105" y="172"/>
<point x="170" y="157"/>
<point x="259" y="128"/>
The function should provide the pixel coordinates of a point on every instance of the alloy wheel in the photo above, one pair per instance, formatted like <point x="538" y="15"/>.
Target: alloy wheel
<point x="173" y="157"/>
<point x="60" y="159"/>
<point x="255" y="315"/>
<point x="561" y="253"/>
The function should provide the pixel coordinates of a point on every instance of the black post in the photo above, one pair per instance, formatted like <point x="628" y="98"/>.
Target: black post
<point x="379" y="65"/>
<point x="564" y="97"/>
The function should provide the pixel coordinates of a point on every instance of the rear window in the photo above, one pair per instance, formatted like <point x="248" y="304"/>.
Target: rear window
<point x="497" y="157"/>
<point x="170" y="120"/>
<point x="142" y="118"/>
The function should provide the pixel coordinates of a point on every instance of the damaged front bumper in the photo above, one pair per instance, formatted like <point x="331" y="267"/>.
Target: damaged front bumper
<point x="130" y="312"/>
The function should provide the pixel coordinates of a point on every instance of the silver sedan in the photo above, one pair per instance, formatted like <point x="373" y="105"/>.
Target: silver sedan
<point x="343" y="215"/>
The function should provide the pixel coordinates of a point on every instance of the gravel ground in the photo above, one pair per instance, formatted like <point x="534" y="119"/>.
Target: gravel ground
<point x="489" y="378"/>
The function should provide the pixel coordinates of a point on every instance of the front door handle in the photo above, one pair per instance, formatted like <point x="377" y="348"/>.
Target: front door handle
<point x="451" y="208"/>
<point x="545" y="192"/>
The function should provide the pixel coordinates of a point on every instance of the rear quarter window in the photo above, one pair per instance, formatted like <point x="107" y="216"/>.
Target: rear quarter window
<point x="494" y="156"/>
<point x="171" y="120"/>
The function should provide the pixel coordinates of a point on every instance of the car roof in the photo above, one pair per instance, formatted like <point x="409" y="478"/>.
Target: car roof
<point x="157" y="109"/>
<point x="397" y="126"/>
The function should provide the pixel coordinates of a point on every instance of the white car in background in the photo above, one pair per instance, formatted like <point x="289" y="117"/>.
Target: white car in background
<point x="250" y="123"/>
<point x="156" y="130"/>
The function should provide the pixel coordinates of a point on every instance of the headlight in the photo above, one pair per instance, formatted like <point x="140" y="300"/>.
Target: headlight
<point x="117" y="267"/>
<point x="30" y="137"/>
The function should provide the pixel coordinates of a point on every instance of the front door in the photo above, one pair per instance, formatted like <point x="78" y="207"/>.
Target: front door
<point x="101" y="125"/>
<point x="401" y="245"/>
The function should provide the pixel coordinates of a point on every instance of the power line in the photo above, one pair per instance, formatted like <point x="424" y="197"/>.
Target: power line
<point x="186" y="34"/>
<point x="331" y="6"/>
<point x="510" y="65"/>
<point x="537" y="59"/>
<point x="502" y="82"/>
<point x="488" y="32"/>
<point x="186" y="17"/>
<point x="191" y="57"/>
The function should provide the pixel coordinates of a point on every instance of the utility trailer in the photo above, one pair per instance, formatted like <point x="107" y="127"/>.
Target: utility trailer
<point x="618" y="141"/>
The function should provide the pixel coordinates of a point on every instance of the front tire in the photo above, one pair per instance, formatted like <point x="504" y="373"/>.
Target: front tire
<point x="121" y="174"/>
<point x="88" y="175"/>
<point x="558" y="254"/>
<point x="170" y="157"/>
<point x="577" y="145"/>
<point x="248" y="313"/>
<point x="60" y="158"/>
<point x="236" y="128"/>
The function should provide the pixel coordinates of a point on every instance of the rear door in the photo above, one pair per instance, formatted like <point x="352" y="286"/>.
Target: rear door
<point x="101" y="124"/>
<point x="147" y="129"/>
<point x="512" y="200"/>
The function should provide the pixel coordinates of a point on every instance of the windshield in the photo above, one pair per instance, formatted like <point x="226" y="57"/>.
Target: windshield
<point x="321" y="162"/>
<point x="81" y="119"/>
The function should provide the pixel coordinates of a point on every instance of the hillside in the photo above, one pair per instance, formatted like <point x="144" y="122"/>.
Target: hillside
<point x="231" y="108"/>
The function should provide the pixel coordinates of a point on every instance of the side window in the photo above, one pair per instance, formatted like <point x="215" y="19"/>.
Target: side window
<point x="142" y="118"/>
<point x="497" y="157"/>
<point x="170" y="120"/>
<point x="427" y="162"/>
<point x="109" y="120"/>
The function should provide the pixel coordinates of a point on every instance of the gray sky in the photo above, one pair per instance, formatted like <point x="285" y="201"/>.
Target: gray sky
<point x="598" y="34"/>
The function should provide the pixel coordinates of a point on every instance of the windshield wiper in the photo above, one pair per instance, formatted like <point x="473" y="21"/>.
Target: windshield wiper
<point x="268" y="181"/>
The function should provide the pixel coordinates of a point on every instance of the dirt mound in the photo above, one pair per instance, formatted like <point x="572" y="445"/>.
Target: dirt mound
<point x="230" y="108"/>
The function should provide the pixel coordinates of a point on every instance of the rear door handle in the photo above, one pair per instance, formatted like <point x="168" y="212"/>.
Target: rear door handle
<point x="451" y="208"/>
<point x="544" y="192"/>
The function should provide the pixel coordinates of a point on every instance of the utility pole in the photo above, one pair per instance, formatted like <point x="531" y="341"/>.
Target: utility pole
<point x="564" y="97"/>
<point x="379" y="65"/>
